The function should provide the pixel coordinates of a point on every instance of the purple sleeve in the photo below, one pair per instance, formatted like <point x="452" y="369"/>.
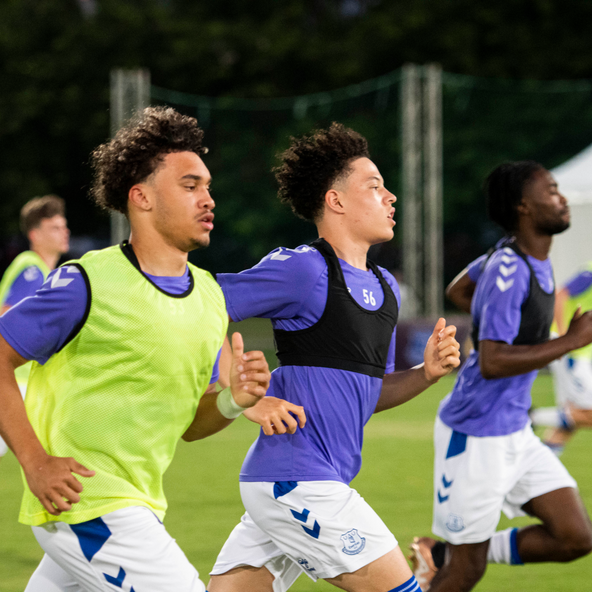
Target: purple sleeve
<point x="475" y="268"/>
<point x="216" y="369"/>
<point x="38" y="326"/>
<point x="26" y="284"/>
<point x="276" y="287"/>
<point x="579" y="284"/>
<point x="392" y="282"/>
<point x="504" y="286"/>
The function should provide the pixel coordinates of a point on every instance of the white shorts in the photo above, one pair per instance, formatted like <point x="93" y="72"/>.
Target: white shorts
<point x="3" y="446"/>
<point x="321" y="528"/>
<point x="573" y="382"/>
<point x="476" y="478"/>
<point x="127" y="550"/>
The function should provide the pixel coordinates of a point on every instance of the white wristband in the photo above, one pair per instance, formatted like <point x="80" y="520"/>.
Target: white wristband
<point x="227" y="405"/>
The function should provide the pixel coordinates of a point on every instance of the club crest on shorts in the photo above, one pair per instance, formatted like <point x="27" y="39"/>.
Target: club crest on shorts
<point x="353" y="543"/>
<point x="455" y="523"/>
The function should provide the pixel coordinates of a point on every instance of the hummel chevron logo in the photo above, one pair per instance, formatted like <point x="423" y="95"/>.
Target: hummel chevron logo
<point x="508" y="259"/>
<point x="503" y="286"/>
<point x="442" y="498"/>
<point x="57" y="282"/>
<point x="446" y="484"/>
<point x="279" y="257"/>
<point x="506" y="271"/>
<point x="303" y="517"/>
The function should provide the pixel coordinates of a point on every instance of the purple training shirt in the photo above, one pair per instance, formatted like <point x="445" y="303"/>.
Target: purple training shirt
<point x="38" y="326"/>
<point x="290" y="288"/>
<point x="579" y="284"/>
<point x="26" y="284"/>
<point x="496" y="407"/>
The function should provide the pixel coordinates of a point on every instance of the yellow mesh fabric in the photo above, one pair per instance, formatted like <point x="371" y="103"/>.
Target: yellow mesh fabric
<point x="118" y="397"/>
<point x="20" y="263"/>
<point x="585" y="301"/>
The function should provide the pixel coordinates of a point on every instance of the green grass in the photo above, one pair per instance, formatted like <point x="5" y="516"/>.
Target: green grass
<point x="396" y="479"/>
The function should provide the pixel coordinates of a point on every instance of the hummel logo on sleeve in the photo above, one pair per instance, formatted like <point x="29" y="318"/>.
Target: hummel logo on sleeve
<point x="58" y="282"/>
<point x="502" y="285"/>
<point x="279" y="257"/>
<point x="506" y="271"/>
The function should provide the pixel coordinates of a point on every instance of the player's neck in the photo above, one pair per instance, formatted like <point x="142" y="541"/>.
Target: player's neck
<point x="346" y="248"/>
<point x="156" y="256"/>
<point x="535" y="245"/>
<point x="50" y="258"/>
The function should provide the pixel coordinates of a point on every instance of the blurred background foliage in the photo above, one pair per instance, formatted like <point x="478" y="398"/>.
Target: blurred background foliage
<point x="56" y="56"/>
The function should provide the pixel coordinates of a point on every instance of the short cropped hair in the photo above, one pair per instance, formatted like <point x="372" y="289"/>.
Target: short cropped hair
<point x="312" y="164"/>
<point x="136" y="151"/>
<point x="504" y="188"/>
<point x="39" y="208"/>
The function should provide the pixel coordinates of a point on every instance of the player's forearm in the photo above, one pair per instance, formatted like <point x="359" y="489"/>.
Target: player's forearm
<point x="208" y="419"/>
<point x="15" y="428"/>
<point x="400" y="387"/>
<point x="460" y="291"/>
<point x="502" y="360"/>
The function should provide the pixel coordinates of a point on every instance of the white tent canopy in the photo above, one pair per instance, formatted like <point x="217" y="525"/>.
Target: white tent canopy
<point x="572" y="249"/>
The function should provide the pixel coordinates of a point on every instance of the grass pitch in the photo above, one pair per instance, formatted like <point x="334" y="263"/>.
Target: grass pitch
<point x="396" y="479"/>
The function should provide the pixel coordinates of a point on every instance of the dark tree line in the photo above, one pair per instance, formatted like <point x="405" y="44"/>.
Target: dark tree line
<point x="56" y="56"/>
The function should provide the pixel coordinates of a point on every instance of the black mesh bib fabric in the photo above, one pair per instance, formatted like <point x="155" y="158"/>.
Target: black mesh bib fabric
<point x="346" y="337"/>
<point x="536" y="311"/>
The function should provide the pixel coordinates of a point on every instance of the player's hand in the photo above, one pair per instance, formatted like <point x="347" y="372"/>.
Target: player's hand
<point x="276" y="416"/>
<point x="249" y="374"/>
<point x="442" y="352"/>
<point x="580" y="328"/>
<point x="52" y="481"/>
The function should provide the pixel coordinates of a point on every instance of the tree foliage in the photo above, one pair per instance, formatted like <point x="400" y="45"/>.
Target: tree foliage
<point x="56" y="60"/>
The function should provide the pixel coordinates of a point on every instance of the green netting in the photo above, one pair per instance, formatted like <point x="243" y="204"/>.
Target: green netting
<point x="245" y="135"/>
<point x="485" y="122"/>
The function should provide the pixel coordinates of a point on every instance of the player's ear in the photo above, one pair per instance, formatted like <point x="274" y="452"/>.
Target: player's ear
<point x="139" y="198"/>
<point x="334" y="201"/>
<point x="522" y="207"/>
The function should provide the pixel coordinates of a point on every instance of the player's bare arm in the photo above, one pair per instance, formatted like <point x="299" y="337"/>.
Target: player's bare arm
<point x="50" y="478"/>
<point x="499" y="359"/>
<point x="561" y="298"/>
<point x="249" y="381"/>
<point x="460" y="291"/>
<point x="441" y="356"/>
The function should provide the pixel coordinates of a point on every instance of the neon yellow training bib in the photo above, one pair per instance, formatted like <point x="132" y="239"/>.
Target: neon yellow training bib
<point x="120" y="394"/>
<point x="21" y="262"/>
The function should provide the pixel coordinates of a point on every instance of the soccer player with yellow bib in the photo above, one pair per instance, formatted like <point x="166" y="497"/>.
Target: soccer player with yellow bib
<point x="125" y="345"/>
<point x="43" y="222"/>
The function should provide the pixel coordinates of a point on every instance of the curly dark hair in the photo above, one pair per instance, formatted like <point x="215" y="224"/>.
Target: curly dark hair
<point x="504" y="188"/>
<point x="136" y="151"/>
<point x="312" y="164"/>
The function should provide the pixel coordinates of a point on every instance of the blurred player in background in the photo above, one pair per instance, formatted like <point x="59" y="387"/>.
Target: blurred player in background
<point x="43" y="222"/>
<point x="487" y="458"/>
<point x="572" y="373"/>
<point x="334" y="315"/>
<point x="125" y="342"/>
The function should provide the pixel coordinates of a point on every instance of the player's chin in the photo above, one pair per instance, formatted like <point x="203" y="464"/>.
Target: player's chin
<point x="202" y="241"/>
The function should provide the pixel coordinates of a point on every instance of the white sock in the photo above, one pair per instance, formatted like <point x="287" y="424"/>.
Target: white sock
<point x="545" y="416"/>
<point x="503" y="548"/>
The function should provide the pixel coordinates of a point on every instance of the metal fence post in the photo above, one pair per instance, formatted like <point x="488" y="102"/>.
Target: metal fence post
<point x="130" y="93"/>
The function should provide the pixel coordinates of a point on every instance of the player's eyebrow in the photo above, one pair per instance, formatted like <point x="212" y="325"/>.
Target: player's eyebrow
<point x="379" y="179"/>
<point x="197" y="178"/>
